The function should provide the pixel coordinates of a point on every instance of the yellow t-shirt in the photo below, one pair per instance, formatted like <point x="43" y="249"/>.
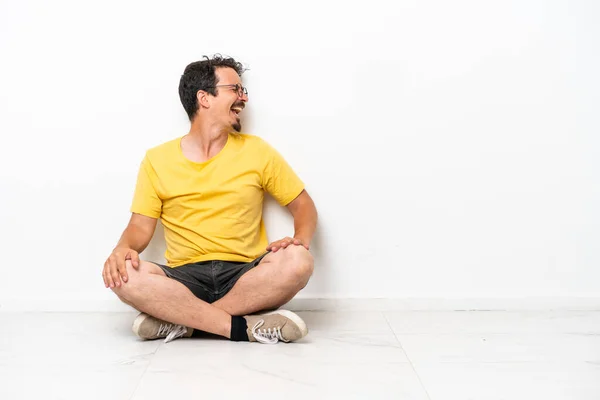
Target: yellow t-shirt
<point x="213" y="210"/>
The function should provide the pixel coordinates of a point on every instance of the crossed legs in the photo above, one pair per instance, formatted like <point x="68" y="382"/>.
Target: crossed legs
<point x="272" y="283"/>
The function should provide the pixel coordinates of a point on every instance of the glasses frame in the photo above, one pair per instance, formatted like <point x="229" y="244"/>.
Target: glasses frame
<point x="241" y="90"/>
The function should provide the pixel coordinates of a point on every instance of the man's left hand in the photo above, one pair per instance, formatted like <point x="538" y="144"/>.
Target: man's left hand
<point x="285" y="242"/>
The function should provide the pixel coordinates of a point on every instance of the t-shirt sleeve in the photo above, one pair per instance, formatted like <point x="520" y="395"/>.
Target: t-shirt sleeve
<point x="279" y="179"/>
<point x="145" y="198"/>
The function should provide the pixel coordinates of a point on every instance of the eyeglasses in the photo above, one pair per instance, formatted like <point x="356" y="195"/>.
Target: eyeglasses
<point x="241" y="91"/>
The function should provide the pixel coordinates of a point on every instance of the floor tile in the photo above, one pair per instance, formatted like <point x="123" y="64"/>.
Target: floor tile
<point x="494" y="322"/>
<point x="71" y="340"/>
<point x="511" y="381"/>
<point x="50" y="382"/>
<point x="321" y="346"/>
<point x="500" y="347"/>
<point x="291" y="379"/>
<point x="345" y="321"/>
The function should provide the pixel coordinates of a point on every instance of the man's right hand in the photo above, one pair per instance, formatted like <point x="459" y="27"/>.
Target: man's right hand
<point x="114" y="267"/>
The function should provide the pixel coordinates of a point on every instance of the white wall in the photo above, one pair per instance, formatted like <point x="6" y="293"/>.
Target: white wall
<point x="451" y="147"/>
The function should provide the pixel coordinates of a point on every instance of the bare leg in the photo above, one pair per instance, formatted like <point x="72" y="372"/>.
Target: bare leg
<point x="149" y="290"/>
<point x="274" y="282"/>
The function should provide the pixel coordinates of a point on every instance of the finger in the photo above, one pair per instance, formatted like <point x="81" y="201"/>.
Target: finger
<point x="297" y="242"/>
<point x="135" y="262"/>
<point x="104" y="276"/>
<point x="109" y="269"/>
<point x="115" y="277"/>
<point x="114" y="273"/>
<point x="109" y="279"/>
<point x="118" y="267"/>
<point x="123" y="272"/>
<point x="135" y="259"/>
<point x="274" y="249"/>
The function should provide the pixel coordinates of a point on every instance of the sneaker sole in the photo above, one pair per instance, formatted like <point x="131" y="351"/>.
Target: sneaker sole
<point x="137" y="323"/>
<point x="294" y="318"/>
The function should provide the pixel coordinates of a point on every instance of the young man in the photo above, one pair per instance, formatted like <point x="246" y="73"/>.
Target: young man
<point x="207" y="188"/>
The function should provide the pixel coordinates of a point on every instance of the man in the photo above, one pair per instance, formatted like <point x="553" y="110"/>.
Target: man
<point x="207" y="188"/>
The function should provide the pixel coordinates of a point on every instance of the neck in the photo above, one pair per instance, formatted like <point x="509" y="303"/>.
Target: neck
<point x="204" y="140"/>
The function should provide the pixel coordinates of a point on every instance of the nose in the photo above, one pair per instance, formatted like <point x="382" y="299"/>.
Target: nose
<point x="244" y="97"/>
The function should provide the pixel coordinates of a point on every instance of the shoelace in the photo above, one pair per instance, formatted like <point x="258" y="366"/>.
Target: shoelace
<point x="172" y="331"/>
<point x="267" y="336"/>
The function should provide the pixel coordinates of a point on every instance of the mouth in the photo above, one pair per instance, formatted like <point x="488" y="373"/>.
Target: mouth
<point x="236" y="110"/>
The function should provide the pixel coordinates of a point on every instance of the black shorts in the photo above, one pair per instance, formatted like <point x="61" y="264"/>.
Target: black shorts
<point x="210" y="280"/>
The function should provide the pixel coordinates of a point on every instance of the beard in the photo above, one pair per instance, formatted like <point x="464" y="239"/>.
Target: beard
<point x="237" y="126"/>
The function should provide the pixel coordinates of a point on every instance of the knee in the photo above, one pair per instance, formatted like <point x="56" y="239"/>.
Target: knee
<point x="300" y="264"/>
<point x="133" y="288"/>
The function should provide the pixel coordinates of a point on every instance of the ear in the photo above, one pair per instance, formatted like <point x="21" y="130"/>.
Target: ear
<point x="202" y="98"/>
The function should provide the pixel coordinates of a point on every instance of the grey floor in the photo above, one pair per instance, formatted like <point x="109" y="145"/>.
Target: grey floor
<point x="347" y="355"/>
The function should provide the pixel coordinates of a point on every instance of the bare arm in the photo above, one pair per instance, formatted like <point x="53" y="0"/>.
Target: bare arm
<point x="305" y="217"/>
<point x="138" y="233"/>
<point x="133" y="241"/>
<point x="305" y="222"/>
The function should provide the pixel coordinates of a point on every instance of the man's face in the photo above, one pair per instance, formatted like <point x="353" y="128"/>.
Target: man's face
<point x="227" y="105"/>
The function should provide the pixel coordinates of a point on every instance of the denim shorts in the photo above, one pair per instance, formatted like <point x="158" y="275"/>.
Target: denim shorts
<point x="210" y="280"/>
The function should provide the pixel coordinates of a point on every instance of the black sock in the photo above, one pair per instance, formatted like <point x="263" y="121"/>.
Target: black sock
<point x="238" y="329"/>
